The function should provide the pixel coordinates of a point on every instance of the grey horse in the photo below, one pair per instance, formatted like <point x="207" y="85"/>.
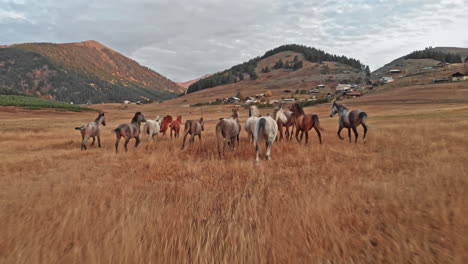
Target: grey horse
<point x="129" y="131"/>
<point x="350" y="120"/>
<point x="92" y="129"/>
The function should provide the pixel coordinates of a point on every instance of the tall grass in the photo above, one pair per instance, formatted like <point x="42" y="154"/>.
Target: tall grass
<point x="400" y="198"/>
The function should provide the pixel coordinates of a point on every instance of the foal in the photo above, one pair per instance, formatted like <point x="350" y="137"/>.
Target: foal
<point x="152" y="128"/>
<point x="350" y="120"/>
<point x="92" y="129"/>
<point x="194" y="128"/>
<point x="129" y="131"/>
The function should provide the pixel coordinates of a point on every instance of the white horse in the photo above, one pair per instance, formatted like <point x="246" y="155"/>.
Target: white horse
<point x="152" y="128"/>
<point x="266" y="129"/>
<point x="250" y="123"/>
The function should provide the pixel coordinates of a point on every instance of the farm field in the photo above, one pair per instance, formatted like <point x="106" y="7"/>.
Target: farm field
<point x="399" y="198"/>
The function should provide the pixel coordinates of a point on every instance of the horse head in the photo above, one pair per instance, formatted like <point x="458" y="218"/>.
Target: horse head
<point x="138" y="117"/>
<point x="334" y="109"/>
<point x="235" y="113"/>
<point x="101" y="118"/>
<point x="179" y="118"/>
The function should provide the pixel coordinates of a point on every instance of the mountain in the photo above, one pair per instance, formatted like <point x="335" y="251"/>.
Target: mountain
<point x="250" y="69"/>
<point x="80" y="72"/>
<point x="416" y="60"/>
<point x="186" y="84"/>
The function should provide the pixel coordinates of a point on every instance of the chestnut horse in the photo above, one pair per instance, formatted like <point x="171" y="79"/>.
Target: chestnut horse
<point x="304" y="123"/>
<point x="92" y="129"/>
<point x="175" y="126"/>
<point x="350" y="120"/>
<point x="129" y="131"/>
<point x="167" y="120"/>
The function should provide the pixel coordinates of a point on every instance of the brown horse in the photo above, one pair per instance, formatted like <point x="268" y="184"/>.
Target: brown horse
<point x="350" y="120"/>
<point x="92" y="129"/>
<point x="304" y="123"/>
<point x="129" y="131"/>
<point x="194" y="128"/>
<point x="167" y="120"/>
<point x="175" y="126"/>
<point x="227" y="131"/>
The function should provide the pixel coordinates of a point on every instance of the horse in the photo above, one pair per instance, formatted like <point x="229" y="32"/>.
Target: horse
<point x="92" y="129"/>
<point x="350" y="120"/>
<point x="175" y="126"/>
<point x="284" y="119"/>
<point x="152" y="128"/>
<point x="227" y="131"/>
<point x="167" y="120"/>
<point x="250" y="123"/>
<point x="266" y="129"/>
<point x="194" y="128"/>
<point x="129" y="131"/>
<point x="304" y="123"/>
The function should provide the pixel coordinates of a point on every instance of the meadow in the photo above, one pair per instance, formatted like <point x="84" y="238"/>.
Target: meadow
<point x="399" y="198"/>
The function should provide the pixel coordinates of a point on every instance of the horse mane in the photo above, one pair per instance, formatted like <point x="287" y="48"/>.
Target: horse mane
<point x="101" y="114"/>
<point x="135" y="117"/>
<point x="235" y="113"/>
<point x="299" y="109"/>
<point x="179" y="118"/>
<point x="341" y="107"/>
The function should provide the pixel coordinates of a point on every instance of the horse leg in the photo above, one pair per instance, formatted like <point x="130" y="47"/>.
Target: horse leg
<point x="99" y="141"/>
<point x="355" y="134"/>
<point x="349" y="134"/>
<point x="319" y="134"/>
<point x="83" y="143"/>
<point x="297" y="135"/>
<point x="307" y="137"/>
<point x="183" y="141"/>
<point x="92" y="143"/>
<point x="268" y="150"/>
<point x="117" y="144"/>
<point x="137" y="141"/>
<point x="126" y="143"/>
<point x="199" y="137"/>
<point x="257" y="152"/>
<point x="365" y="132"/>
<point x="339" y="132"/>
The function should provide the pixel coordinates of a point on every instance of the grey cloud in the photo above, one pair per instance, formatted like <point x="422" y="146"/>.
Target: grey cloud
<point x="186" y="39"/>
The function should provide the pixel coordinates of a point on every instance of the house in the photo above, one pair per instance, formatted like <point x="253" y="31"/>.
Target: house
<point x="442" y="64"/>
<point x="458" y="76"/>
<point x="440" y="80"/>
<point x="427" y="68"/>
<point x="126" y="102"/>
<point x="343" y="87"/>
<point x="249" y="101"/>
<point x="288" y="100"/>
<point x="386" y="79"/>
<point x="320" y="86"/>
<point x="314" y="91"/>
<point x="353" y="94"/>
<point x="394" y="71"/>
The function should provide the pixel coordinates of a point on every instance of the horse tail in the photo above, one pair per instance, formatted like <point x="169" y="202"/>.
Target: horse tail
<point x="219" y="138"/>
<point x="363" y="117"/>
<point x="187" y="126"/>
<point x="259" y="129"/>
<point x="316" y="120"/>
<point x="78" y="128"/>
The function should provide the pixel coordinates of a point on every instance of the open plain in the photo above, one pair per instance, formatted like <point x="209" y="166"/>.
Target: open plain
<point x="399" y="198"/>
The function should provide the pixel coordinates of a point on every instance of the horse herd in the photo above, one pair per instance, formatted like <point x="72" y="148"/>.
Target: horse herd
<point x="259" y="128"/>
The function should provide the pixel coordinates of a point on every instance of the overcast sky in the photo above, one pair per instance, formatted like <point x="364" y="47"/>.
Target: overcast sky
<point x="186" y="39"/>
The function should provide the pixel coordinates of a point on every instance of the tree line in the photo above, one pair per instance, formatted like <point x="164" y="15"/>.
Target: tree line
<point x="430" y="53"/>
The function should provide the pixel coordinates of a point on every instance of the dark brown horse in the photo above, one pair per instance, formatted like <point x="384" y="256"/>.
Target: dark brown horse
<point x="167" y="120"/>
<point x="129" y="131"/>
<point x="175" y="126"/>
<point x="350" y="120"/>
<point x="304" y="123"/>
<point x="194" y="128"/>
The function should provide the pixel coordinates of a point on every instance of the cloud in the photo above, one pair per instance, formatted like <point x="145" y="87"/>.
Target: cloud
<point x="187" y="39"/>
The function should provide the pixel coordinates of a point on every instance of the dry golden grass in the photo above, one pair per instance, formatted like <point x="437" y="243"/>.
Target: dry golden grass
<point x="400" y="198"/>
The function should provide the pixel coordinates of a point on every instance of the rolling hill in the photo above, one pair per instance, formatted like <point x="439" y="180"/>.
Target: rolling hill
<point x="80" y="72"/>
<point x="297" y="58"/>
<point x="413" y="63"/>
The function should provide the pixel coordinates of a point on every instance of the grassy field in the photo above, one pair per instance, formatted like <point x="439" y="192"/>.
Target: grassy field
<point x="34" y="103"/>
<point x="399" y="198"/>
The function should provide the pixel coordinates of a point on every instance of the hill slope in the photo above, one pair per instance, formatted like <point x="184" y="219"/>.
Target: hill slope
<point x="80" y="72"/>
<point x="413" y="62"/>
<point x="251" y="69"/>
